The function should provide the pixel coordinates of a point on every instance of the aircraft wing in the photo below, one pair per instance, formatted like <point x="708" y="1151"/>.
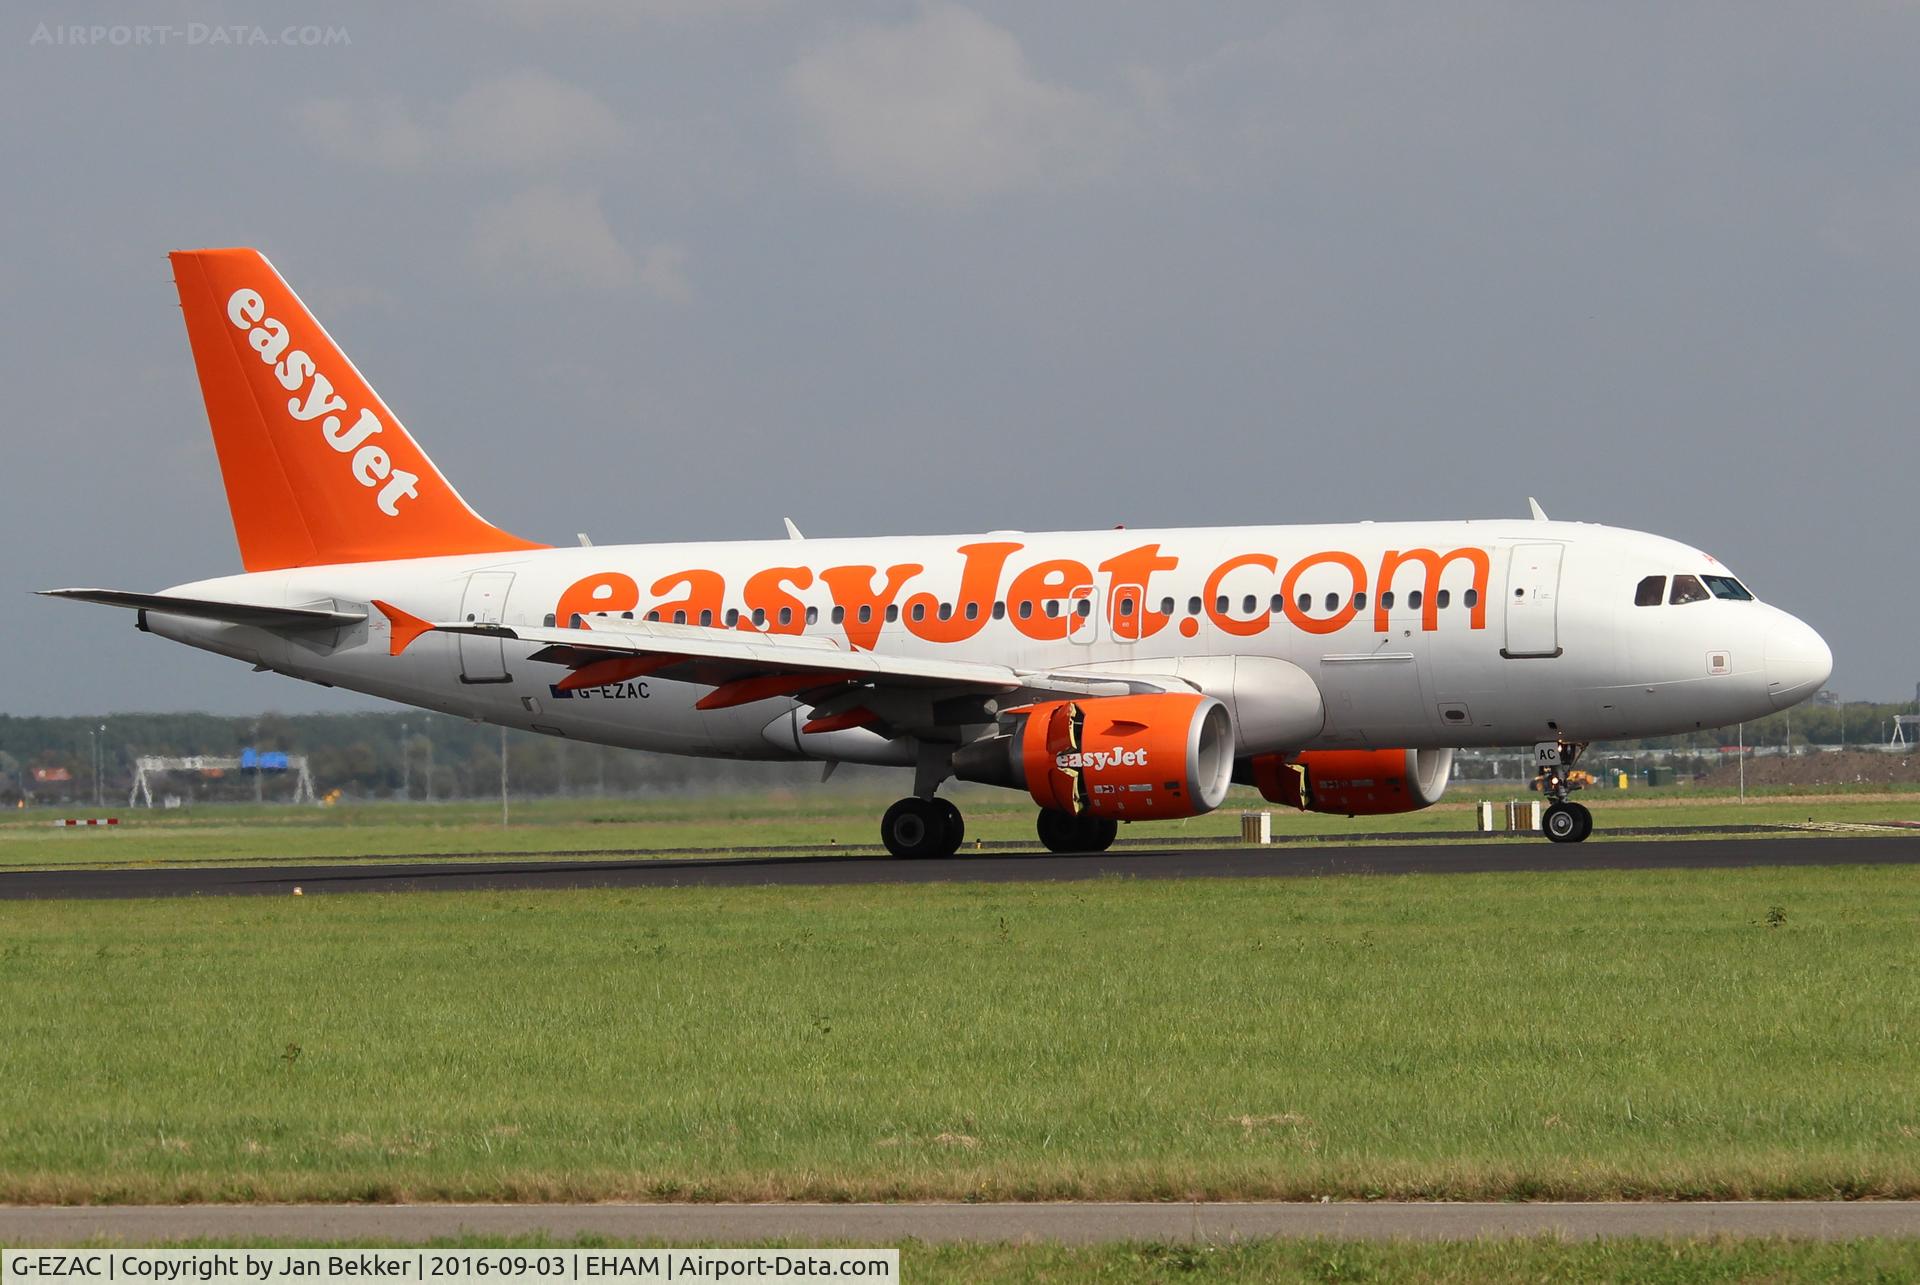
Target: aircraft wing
<point x="234" y="613"/>
<point x="742" y="667"/>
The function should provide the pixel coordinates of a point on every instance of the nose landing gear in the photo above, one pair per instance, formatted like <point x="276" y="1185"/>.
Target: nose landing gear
<point x="1564" y="821"/>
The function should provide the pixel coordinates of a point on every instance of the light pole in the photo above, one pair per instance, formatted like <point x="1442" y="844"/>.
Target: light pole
<point x="406" y="766"/>
<point x="93" y="753"/>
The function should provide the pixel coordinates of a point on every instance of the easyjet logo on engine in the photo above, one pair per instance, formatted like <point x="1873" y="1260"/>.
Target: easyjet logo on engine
<point x="1094" y="760"/>
<point x="369" y="464"/>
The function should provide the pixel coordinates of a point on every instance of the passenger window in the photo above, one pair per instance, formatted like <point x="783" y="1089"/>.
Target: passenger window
<point x="999" y="611"/>
<point x="679" y="617"/>
<point x="1251" y="605"/>
<point x="1470" y="599"/>
<point x="1441" y="598"/>
<point x="1193" y="606"/>
<point x="1687" y="589"/>
<point x="1126" y="606"/>
<point x="1279" y="604"/>
<point x="760" y="617"/>
<point x="706" y="617"/>
<point x="813" y="615"/>
<point x="732" y="617"/>
<point x="626" y="615"/>
<point x="1333" y="602"/>
<point x="866" y="613"/>
<point x="893" y="612"/>
<point x="1166" y="606"/>
<point x="1306" y="602"/>
<point x="973" y="611"/>
<point x="839" y="615"/>
<point x="1026" y="610"/>
<point x="946" y="611"/>
<point x="651" y="615"/>
<point x="1413" y="601"/>
<point x="1727" y="587"/>
<point x="1053" y="607"/>
<point x="786" y="615"/>
<point x="919" y="611"/>
<point x="1085" y="608"/>
<point x="1650" y="592"/>
<point x="1359" y="602"/>
<point x="1386" y="601"/>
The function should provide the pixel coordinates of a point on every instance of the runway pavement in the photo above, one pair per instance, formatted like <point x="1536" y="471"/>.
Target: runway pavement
<point x="1067" y="1223"/>
<point x="1224" y="862"/>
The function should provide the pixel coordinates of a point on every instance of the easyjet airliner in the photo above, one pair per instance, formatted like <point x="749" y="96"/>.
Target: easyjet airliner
<point x="1122" y="675"/>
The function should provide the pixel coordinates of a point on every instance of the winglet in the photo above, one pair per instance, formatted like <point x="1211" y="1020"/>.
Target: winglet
<point x="793" y="532"/>
<point x="1539" y="514"/>
<point x="406" y="627"/>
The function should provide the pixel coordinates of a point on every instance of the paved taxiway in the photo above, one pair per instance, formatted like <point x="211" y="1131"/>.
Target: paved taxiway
<point x="1224" y="862"/>
<point x="1068" y="1223"/>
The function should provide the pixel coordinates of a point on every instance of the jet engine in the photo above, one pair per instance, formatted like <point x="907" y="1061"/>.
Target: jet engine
<point x="1148" y="757"/>
<point x="1352" y="782"/>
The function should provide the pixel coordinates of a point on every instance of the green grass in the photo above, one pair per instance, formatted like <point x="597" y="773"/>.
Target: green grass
<point x="1682" y="1034"/>
<point x="825" y="819"/>
<point x="1678" y="1262"/>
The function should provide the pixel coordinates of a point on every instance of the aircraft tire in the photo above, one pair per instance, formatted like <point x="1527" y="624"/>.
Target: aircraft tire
<point x="953" y="827"/>
<point x="917" y="828"/>
<point x="1062" y="833"/>
<point x="1562" y="823"/>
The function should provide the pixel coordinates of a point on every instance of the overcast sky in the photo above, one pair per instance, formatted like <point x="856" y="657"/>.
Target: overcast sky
<point x="675" y="269"/>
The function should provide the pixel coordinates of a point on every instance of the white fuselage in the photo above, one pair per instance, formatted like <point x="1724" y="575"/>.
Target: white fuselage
<point x="1497" y="632"/>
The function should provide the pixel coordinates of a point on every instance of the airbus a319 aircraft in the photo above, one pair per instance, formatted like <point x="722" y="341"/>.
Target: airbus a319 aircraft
<point x="1121" y="675"/>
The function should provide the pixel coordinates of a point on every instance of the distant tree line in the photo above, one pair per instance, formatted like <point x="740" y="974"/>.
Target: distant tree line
<point x="432" y="756"/>
<point x="364" y="756"/>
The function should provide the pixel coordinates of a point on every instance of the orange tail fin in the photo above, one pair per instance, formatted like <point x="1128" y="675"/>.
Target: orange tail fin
<point x="318" y="470"/>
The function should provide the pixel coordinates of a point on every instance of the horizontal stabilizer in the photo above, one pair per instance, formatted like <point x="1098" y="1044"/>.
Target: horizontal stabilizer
<point x="234" y="613"/>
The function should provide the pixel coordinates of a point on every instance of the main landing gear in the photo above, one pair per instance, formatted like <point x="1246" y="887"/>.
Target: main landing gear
<point x="918" y="828"/>
<point x="1564" y="821"/>
<point x="923" y="828"/>
<point x="1063" y="832"/>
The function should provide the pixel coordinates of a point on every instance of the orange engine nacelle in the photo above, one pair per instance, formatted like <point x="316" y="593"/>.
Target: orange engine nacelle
<point x="1354" y="782"/>
<point x="1133" y="758"/>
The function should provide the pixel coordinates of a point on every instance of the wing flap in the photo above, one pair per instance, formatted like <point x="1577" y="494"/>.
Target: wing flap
<point x="716" y="657"/>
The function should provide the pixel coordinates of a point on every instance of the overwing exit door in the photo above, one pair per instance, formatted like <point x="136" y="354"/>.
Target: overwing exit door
<point x="483" y="659"/>
<point x="1533" y="600"/>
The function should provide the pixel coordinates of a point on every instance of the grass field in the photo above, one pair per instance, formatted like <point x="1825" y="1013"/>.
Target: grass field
<point x="1679" y="1034"/>
<point x="1675" y="1262"/>
<point x="827" y="819"/>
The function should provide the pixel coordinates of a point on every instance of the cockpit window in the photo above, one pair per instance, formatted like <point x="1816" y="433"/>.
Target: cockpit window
<point x="1687" y="589"/>
<point x="1651" y="591"/>
<point x="1727" y="587"/>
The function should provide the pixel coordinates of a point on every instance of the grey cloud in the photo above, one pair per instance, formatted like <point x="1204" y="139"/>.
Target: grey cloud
<point x="522" y="120"/>
<point x="946" y="110"/>
<point x="551" y="238"/>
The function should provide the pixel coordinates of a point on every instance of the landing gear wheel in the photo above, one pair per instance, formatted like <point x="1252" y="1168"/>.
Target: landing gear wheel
<point x="1062" y="833"/>
<point x="915" y="828"/>
<point x="1567" y="823"/>
<point x="953" y="825"/>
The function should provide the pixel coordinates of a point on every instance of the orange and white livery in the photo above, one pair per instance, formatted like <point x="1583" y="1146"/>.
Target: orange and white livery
<point x="1122" y="675"/>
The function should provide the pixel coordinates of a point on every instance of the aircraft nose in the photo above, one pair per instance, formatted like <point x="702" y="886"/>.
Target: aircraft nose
<point x="1798" y="662"/>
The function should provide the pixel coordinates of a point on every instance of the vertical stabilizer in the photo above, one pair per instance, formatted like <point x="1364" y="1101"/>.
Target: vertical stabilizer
<point x="317" y="468"/>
